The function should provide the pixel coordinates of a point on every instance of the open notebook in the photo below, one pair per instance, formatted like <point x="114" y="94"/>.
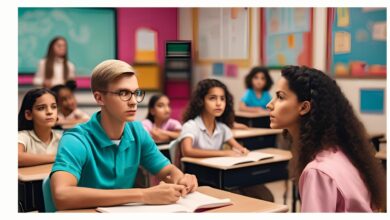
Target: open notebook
<point x="230" y="161"/>
<point x="193" y="202"/>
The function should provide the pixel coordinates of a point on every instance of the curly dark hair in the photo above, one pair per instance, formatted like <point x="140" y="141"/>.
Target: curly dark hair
<point x="196" y="104"/>
<point x="332" y="122"/>
<point x="253" y="72"/>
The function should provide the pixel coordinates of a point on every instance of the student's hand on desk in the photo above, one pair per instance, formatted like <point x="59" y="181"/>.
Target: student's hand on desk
<point x="237" y="152"/>
<point x="242" y="150"/>
<point x="158" y="135"/>
<point x="164" y="193"/>
<point x="190" y="183"/>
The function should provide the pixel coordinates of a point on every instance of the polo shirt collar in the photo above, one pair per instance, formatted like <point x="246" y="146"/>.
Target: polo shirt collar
<point x="97" y="132"/>
<point x="36" y="138"/>
<point x="198" y="120"/>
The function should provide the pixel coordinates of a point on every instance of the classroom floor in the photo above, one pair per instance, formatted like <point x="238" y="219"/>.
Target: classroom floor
<point x="278" y="188"/>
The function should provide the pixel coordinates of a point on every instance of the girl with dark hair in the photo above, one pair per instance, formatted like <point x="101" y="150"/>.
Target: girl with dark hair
<point x="55" y="68"/>
<point x="37" y="142"/>
<point x="208" y="119"/>
<point x="158" y="121"/>
<point x="333" y="160"/>
<point x="258" y="82"/>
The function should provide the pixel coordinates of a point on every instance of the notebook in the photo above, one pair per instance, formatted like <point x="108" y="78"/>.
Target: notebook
<point x="230" y="161"/>
<point x="193" y="202"/>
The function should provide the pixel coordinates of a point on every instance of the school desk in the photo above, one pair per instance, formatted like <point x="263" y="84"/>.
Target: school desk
<point x="30" y="187"/>
<point x="253" y="119"/>
<point x="241" y="175"/>
<point x="255" y="138"/>
<point x="240" y="203"/>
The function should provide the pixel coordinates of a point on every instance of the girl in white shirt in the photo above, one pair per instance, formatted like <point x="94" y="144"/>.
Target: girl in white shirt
<point x="55" y="68"/>
<point x="37" y="143"/>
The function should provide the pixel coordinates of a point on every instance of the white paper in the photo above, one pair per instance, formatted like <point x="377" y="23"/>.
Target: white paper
<point x="230" y="161"/>
<point x="379" y="31"/>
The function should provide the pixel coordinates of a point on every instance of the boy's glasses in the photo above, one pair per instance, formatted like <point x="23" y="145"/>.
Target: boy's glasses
<point x="125" y="95"/>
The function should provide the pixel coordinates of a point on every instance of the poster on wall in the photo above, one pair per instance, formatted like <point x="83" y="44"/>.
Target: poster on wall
<point x="357" y="42"/>
<point x="286" y="36"/>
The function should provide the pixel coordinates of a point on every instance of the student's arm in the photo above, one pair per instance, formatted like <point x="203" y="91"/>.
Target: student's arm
<point x="26" y="159"/>
<point x="171" y="174"/>
<point x="40" y="74"/>
<point x="158" y="135"/>
<point x="189" y="151"/>
<point x="72" y="71"/>
<point x="67" y="195"/>
<point x="237" y="125"/>
<point x="170" y="134"/>
<point x="235" y="145"/>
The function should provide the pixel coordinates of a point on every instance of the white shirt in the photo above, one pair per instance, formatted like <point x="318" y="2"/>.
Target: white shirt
<point x="32" y="143"/>
<point x="196" y="129"/>
<point x="58" y="72"/>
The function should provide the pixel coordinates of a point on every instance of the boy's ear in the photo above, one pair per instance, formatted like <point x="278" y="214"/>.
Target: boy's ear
<point x="305" y="108"/>
<point x="99" y="98"/>
<point x="28" y="115"/>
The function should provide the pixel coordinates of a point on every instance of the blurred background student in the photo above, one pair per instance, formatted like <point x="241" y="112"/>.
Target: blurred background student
<point x="69" y="114"/>
<point x="158" y="121"/>
<point x="37" y="142"/>
<point x="258" y="83"/>
<point x="55" y="68"/>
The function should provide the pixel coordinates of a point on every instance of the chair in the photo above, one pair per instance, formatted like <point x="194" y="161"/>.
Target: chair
<point x="47" y="198"/>
<point x="175" y="154"/>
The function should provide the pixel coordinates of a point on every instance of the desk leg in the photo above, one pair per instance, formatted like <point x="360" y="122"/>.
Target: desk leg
<point x="295" y="197"/>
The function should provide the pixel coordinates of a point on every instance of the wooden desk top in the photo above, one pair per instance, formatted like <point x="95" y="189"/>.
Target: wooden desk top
<point x="240" y="203"/>
<point x="381" y="155"/>
<point x="279" y="155"/>
<point x="33" y="173"/>
<point x="254" y="132"/>
<point x="250" y="114"/>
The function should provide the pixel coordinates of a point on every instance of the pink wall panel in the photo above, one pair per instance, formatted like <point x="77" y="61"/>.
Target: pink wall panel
<point x="162" y="20"/>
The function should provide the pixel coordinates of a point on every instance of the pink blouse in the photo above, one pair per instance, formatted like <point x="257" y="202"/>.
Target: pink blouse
<point x="169" y="125"/>
<point x="330" y="183"/>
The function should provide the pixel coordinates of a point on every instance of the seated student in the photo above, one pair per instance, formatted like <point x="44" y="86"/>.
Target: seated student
<point x="258" y="82"/>
<point x="207" y="120"/>
<point x="97" y="161"/>
<point x="69" y="114"/>
<point x="158" y="123"/>
<point x="206" y="129"/>
<point x="37" y="142"/>
<point x="333" y="159"/>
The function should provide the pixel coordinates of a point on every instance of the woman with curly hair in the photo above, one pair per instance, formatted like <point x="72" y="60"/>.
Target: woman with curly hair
<point x="208" y="119"/>
<point x="333" y="159"/>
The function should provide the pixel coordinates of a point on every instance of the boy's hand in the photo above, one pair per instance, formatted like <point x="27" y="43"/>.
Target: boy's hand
<point x="190" y="183"/>
<point x="164" y="193"/>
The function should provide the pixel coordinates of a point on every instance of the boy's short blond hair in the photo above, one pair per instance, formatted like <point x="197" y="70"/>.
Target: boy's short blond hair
<point x="107" y="72"/>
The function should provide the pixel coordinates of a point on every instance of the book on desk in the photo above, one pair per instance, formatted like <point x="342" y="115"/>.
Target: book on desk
<point x="230" y="161"/>
<point x="193" y="202"/>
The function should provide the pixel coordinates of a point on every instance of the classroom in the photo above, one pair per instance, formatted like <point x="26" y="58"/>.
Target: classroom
<point x="229" y="99"/>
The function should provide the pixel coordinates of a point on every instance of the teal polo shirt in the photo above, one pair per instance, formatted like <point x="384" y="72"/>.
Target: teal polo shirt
<point x="250" y="99"/>
<point x="88" y="153"/>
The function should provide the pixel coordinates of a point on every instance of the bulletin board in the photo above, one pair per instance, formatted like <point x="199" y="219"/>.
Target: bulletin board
<point x="286" y="36"/>
<point x="357" y="42"/>
<point x="222" y="35"/>
<point x="90" y="34"/>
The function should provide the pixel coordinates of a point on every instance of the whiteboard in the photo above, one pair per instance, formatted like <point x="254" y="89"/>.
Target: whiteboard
<point x="90" y="33"/>
<point x="222" y="34"/>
